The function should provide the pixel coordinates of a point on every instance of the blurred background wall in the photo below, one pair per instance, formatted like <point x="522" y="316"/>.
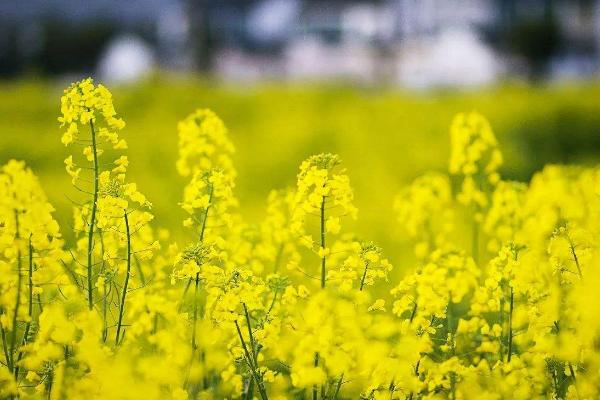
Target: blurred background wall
<point x="409" y="43"/>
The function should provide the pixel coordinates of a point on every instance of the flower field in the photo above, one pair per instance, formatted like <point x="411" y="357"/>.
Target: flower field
<point x="458" y="266"/>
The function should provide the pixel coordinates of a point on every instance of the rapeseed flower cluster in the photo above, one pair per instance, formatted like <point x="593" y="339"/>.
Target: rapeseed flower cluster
<point x="296" y="306"/>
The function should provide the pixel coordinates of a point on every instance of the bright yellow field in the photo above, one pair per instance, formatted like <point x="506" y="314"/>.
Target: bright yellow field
<point x="385" y="138"/>
<point x="148" y="256"/>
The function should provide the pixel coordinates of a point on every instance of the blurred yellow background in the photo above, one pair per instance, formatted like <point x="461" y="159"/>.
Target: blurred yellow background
<point x="385" y="137"/>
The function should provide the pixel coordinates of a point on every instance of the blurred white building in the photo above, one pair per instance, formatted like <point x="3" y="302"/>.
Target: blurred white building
<point x="126" y="59"/>
<point x="453" y="57"/>
<point x="414" y="43"/>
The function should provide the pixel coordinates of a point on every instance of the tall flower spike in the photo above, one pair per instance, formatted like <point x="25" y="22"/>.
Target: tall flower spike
<point x="205" y="153"/>
<point x="204" y="144"/>
<point x="323" y="190"/>
<point x="475" y="156"/>
<point x="30" y="252"/>
<point x="85" y="104"/>
<point x="475" y="159"/>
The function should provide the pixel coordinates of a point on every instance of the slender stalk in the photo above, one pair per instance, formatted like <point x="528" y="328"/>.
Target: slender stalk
<point x="572" y="371"/>
<point x="29" y="309"/>
<point x="196" y="286"/>
<point x="252" y="347"/>
<point x="30" y="305"/>
<point x="126" y="283"/>
<point x="203" y="228"/>
<point x="272" y="302"/>
<point x="39" y="301"/>
<point x="194" y="324"/>
<point x="49" y="384"/>
<point x="413" y="312"/>
<point x="501" y="320"/>
<point x="575" y="258"/>
<point x="140" y="271"/>
<point x="362" y="280"/>
<point x="323" y="259"/>
<point x="155" y="324"/>
<point x="556" y="384"/>
<point x="510" y="322"/>
<point x="251" y="365"/>
<point x="104" y="314"/>
<point x="392" y="389"/>
<point x="338" y="387"/>
<point x="104" y="294"/>
<point x="13" y="334"/>
<point x="315" y="392"/>
<point x="206" y="376"/>
<point x="5" y="348"/>
<point x="449" y="317"/>
<point x="249" y="390"/>
<point x="90" y="247"/>
<point x="201" y="237"/>
<point x="574" y="378"/>
<point x="250" y="335"/>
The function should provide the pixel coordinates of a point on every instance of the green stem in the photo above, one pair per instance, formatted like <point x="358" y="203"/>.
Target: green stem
<point x="104" y="294"/>
<point x="203" y="228"/>
<point x="556" y="384"/>
<point x="413" y="312"/>
<point x="29" y="309"/>
<point x="195" y="311"/>
<point x="30" y="306"/>
<point x="250" y="335"/>
<point x="155" y="324"/>
<point x="501" y="320"/>
<point x="452" y="385"/>
<point x="575" y="258"/>
<point x="249" y="390"/>
<point x="5" y="348"/>
<point x="202" y="231"/>
<point x="49" y="384"/>
<point x="572" y="371"/>
<point x="126" y="283"/>
<point x="90" y="246"/>
<point x="252" y="347"/>
<point x="338" y="387"/>
<point x="253" y="367"/>
<point x="323" y="259"/>
<point x="362" y="281"/>
<point x="104" y="314"/>
<point x="272" y="303"/>
<point x="140" y="271"/>
<point x="510" y="322"/>
<point x="13" y="335"/>
<point x="39" y="300"/>
<point x="315" y="392"/>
